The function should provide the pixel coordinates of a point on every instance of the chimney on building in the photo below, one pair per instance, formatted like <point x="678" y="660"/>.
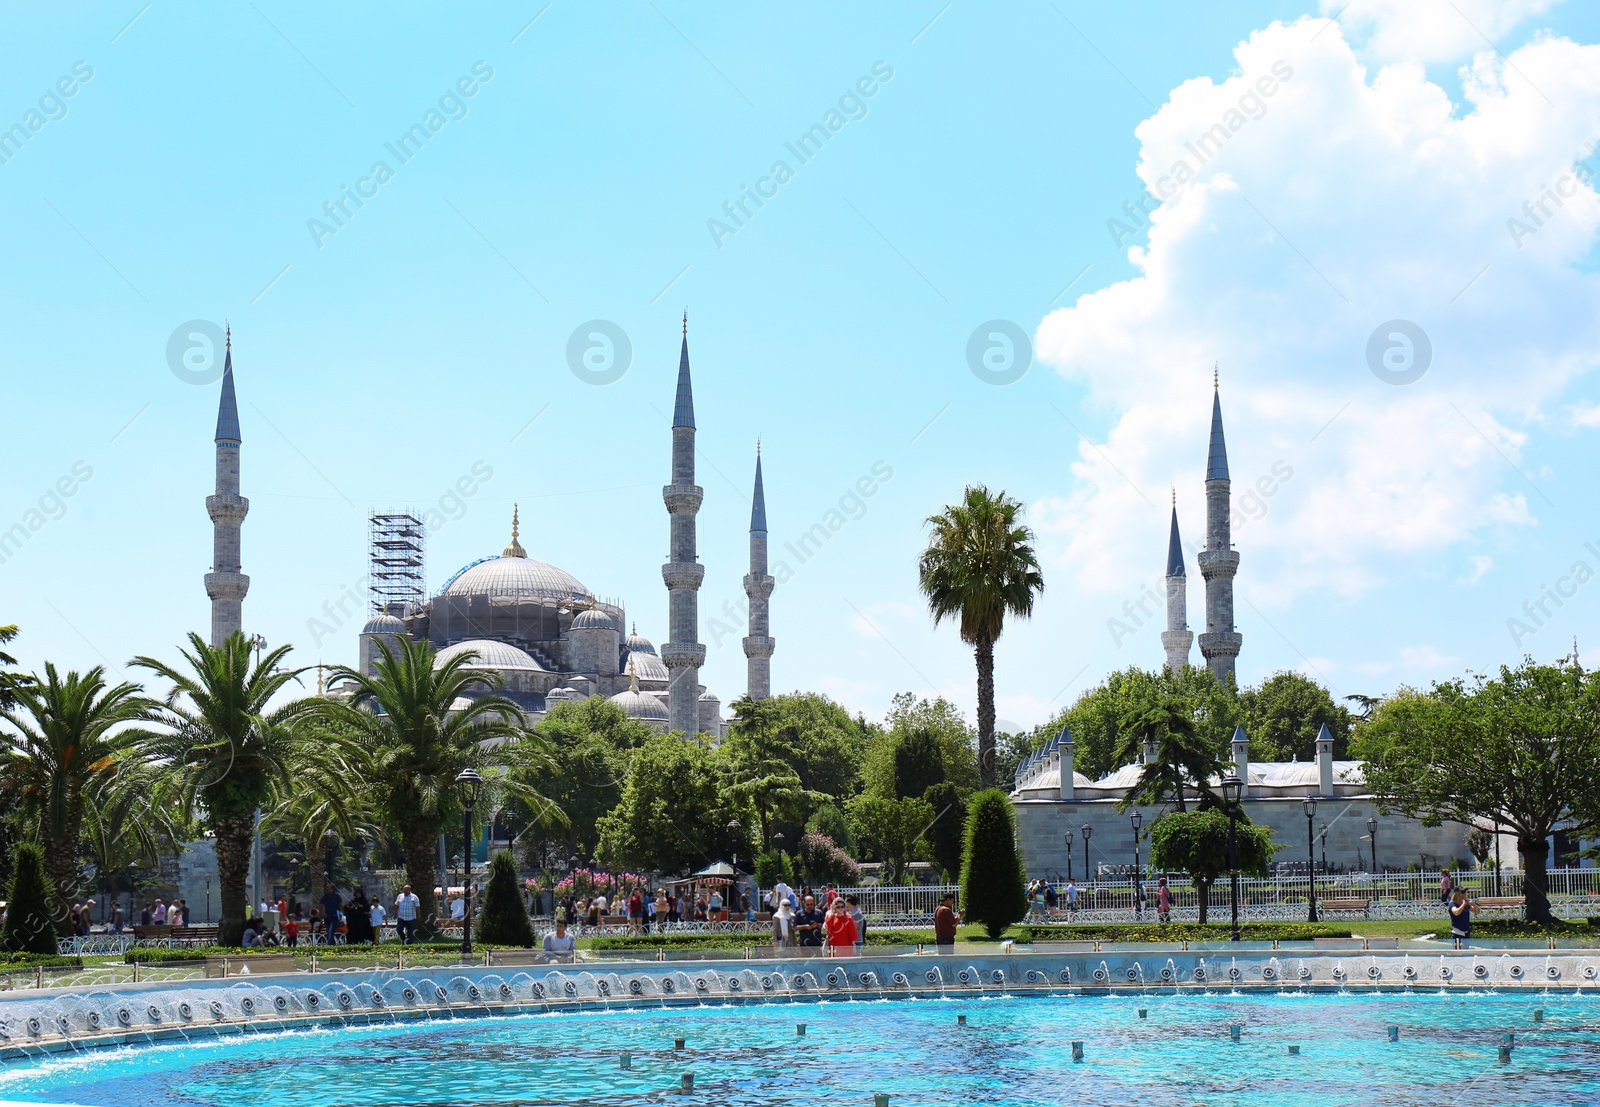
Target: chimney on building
<point x="1241" y="759"/>
<point x="1324" y="761"/>
<point x="1066" y="746"/>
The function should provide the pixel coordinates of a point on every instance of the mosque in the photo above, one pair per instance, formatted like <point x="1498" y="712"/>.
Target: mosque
<point x="545" y="635"/>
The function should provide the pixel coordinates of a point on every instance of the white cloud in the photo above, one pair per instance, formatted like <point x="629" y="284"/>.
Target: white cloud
<point x="1480" y="564"/>
<point x="1416" y="663"/>
<point x="1303" y="202"/>
<point x="1430" y="30"/>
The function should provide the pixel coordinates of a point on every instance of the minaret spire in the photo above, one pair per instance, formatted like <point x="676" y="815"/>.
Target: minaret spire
<point x="758" y="586"/>
<point x="683" y="653"/>
<point x="1219" y="562"/>
<point x="1176" y="639"/>
<point x="225" y="584"/>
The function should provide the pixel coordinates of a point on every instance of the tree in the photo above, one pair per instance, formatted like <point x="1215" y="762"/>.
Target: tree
<point x="825" y="862"/>
<point x="945" y="838"/>
<point x="1480" y="843"/>
<point x="759" y="760"/>
<point x="978" y="568"/>
<point x="1519" y="751"/>
<point x="591" y="744"/>
<point x="918" y="763"/>
<point x="65" y="756"/>
<point x="420" y="723"/>
<point x="992" y="877"/>
<point x="503" y="917"/>
<point x="1182" y="756"/>
<point x="227" y="751"/>
<point x="889" y="829"/>
<point x="29" y="927"/>
<point x="829" y="820"/>
<point x="672" y="815"/>
<point x="1196" y="842"/>
<point x="910" y="716"/>
<point x="9" y="681"/>
<point x="1284" y="713"/>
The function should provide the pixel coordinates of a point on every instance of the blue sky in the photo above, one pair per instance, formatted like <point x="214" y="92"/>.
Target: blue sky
<point x="428" y="331"/>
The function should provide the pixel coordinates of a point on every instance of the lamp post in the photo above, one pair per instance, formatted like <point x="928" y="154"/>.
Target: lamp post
<point x="1496" y="858"/>
<point x="1086" y="830"/>
<point x="1232" y="786"/>
<point x="330" y="845"/>
<point x="733" y="885"/>
<point x="1372" y="836"/>
<point x="1322" y="837"/>
<point x="1310" y="807"/>
<point x="1138" y="889"/>
<point x="208" y="899"/>
<point x="470" y="784"/>
<point x="1069" y="857"/>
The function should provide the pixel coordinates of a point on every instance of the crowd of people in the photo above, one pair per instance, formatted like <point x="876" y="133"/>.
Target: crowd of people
<point x="645" y="912"/>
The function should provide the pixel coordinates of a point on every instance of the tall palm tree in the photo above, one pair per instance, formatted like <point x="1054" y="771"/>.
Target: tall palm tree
<point x="420" y="725"/>
<point x="72" y="735"/>
<point x="229" y="752"/>
<point x="980" y="567"/>
<point x="1182" y="755"/>
<point x="9" y="680"/>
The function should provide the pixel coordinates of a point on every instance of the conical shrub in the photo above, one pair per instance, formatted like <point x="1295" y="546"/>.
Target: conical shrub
<point x="29" y="928"/>
<point x="993" y="890"/>
<point x="503" y="920"/>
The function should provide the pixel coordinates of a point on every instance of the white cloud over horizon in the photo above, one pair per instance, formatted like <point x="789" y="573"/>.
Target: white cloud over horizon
<point x="1299" y="204"/>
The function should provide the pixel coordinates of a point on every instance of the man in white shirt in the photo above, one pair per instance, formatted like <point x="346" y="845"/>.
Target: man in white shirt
<point x="600" y="904"/>
<point x="458" y="907"/>
<point x="406" y="906"/>
<point x="378" y="915"/>
<point x="559" y="946"/>
<point x="159" y="916"/>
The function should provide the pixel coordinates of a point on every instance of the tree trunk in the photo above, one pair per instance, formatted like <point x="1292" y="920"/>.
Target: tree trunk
<point x="1535" y="882"/>
<point x="61" y="865"/>
<point x="1203" y="893"/>
<point x="234" y="833"/>
<point x="420" y="844"/>
<point x="983" y="650"/>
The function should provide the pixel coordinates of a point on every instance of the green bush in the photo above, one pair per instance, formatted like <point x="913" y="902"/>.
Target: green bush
<point x="1516" y="928"/>
<point x="29" y="926"/>
<point x="993" y="884"/>
<point x="503" y="919"/>
<point x="18" y="962"/>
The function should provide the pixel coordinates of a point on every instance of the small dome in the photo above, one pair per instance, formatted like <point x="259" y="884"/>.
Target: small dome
<point x="383" y="623"/>
<point x="499" y="656"/>
<point x="593" y="619"/>
<point x="638" y="643"/>
<point x="641" y="705"/>
<point x="649" y="667"/>
<point x="709" y="695"/>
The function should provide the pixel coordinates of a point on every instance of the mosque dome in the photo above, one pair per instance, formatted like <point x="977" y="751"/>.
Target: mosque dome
<point x="491" y="655"/>
<point x="644" y="659"/>
<point x="516" y="578"/>
<point x="641" y="705"/>
<point x="637" y="643"/>
<point x="383" y="623"/>
<point x="593" y="619"/>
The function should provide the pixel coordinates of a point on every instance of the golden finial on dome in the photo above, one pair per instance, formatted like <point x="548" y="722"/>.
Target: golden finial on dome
<point x="633" y="677"/>
<point x="515" y="548"/>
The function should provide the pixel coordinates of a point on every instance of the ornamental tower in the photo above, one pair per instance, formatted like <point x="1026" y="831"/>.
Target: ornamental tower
<point x="1175" y="640"/>
<point x="682" y="653"/>
<point x="759" y="645"/>
<point x="225" y="584"/>
<point x="1219" y="562"/>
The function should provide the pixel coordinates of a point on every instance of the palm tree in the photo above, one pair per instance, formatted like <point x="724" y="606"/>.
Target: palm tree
<point x="1181" y="755"/>
<point x="420" y="725"/>
<point x="228" y="751"/>
<point x="9" y="680"/>
<point x="980" y="566"/>
<point x="72" y="737"/>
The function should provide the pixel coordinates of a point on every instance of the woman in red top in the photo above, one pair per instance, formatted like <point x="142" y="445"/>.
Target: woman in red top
<point x="841" y="930"/>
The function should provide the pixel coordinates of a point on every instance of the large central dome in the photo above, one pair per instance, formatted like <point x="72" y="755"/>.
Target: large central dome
<point x="517" y="578"/>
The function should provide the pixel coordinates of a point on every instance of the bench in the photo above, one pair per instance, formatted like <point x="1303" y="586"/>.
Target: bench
<point x="1517" y="902"/>
<point x="1360" y="905"/>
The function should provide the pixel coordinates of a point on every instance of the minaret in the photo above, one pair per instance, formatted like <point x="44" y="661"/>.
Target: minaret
<point x="225" y="584"/>
<point x="682" y="653"/>
<point x="1219" y="645"/>
<point x="1177" y="637"/>
<point x="759" y="645"/>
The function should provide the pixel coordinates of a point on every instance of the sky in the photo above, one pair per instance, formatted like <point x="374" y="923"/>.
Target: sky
<point x="920" y="247"/>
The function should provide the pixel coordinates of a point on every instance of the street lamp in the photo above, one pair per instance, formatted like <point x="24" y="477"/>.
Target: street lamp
<point x="1372" y="836"/>
<point x="1232" y="787"/>
<point x="1138" y="890"/>
<point x="1309" y="805"/>
<point x="1069" y="857"/>
<point x="208" y="899"/>
<point x="471" y="784"/>
<point x="330" y="844"/>
<point x="1322" y="837"/>
<point x="1086" y="830"/>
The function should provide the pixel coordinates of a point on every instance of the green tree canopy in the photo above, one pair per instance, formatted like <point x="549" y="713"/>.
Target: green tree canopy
<point x="759" y="757"/>
<point x="1163" y="723"/>
<point x="979" y="569"/>
<point x="591" y="744"/>
<point x="1196" y="842"/>
<point x="889" y="830"/>
<point x="503" y="918"/>
<point x="993" y="891"/>
<point x="1520" y="751"/>
<point x="909" y="716"/>
<point x="1283" y="714"/>
<point x="673" y="814"/>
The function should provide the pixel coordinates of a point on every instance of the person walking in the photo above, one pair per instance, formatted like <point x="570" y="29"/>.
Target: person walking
<point x="1447" y="885"/>
<point x="406" y="906"/>
<point x="376" y="917"/>
<point x="331" y="903"/>
<point x="945" y="921"/>
<point x="1163" y="902"/>
<point x="783" y="925"/>
<point x="1072" y="899"/>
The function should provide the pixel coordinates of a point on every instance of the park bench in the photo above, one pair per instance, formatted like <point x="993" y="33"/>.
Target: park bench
<point x="1503" y="902"/>
<point x="1350" y="905"/>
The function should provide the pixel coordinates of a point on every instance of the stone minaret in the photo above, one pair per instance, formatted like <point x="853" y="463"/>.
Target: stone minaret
<point x="1175" y="640"/>
<point x="682" y="653"/>
<point x="225" y="584"/>
<point x="1219" y="645"/>
<point x="759" y="645"/>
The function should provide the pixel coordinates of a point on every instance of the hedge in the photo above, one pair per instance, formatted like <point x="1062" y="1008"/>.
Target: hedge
<point x="1516" y="928"/>
<point x="1179" y="932"/>
<point x="386" y="952"/>
<point x="20" y="962"/>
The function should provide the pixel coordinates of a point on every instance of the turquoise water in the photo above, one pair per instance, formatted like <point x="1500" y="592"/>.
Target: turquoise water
<point x="1012" y="1052"/>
